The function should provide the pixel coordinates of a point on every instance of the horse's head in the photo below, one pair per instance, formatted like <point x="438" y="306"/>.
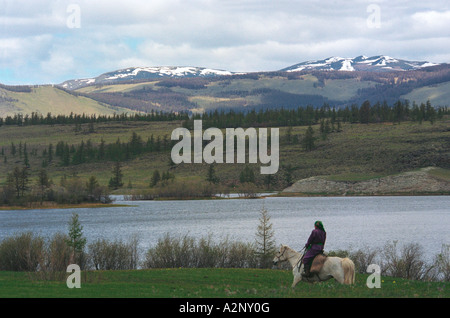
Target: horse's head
<point x="280" y="255"/>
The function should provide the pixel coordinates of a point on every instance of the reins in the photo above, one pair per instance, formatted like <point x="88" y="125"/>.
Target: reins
<point x="301" y="259"/>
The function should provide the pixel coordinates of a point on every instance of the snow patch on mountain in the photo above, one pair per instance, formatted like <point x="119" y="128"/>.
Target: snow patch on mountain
<point x="139" y="73"/>
<point x="359" y="63"/>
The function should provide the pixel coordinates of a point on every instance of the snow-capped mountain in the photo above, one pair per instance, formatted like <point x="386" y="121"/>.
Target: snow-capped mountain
<point x="136" y="73"/>
<point x="361" y="63"/>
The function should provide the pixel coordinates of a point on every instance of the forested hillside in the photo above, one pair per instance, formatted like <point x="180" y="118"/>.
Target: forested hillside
<point x="80" y="158"/>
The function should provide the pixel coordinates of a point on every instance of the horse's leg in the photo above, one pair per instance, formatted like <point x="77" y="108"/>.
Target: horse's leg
<point x="297" y="278"/>
<point x="339" y="275"/>
<point x="297" y="275"/>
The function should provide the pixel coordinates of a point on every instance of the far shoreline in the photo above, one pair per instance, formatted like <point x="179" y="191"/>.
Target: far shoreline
<point x="50" y="206"/>
<point x="63" y="206"/>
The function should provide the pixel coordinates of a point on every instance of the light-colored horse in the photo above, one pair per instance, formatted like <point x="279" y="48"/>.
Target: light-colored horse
<point x="341" y="269"/>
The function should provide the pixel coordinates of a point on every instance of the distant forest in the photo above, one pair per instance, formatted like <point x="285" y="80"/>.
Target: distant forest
<point x="366" y="113"/>
<point x="49" y="119"/>
<point x="300" y="116"/>
<point x="135" y="146"/>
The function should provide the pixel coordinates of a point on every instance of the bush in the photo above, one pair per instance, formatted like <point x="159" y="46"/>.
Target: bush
<point x="115" y="255"/>
<point x="49" y="259"/>
<point x="22" y="252"/>
<point x="442" y="263"/>
<point x="172" y="252"/>
<point x="409" y="264"/>
<point x="58" y="253"/>
<point x="363" y="258"/>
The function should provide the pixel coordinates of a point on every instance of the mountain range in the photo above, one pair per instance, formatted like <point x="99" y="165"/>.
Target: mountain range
<point x="335" y="81"/>
<point x="143" y="73"/>
<point x="360" y="63"/>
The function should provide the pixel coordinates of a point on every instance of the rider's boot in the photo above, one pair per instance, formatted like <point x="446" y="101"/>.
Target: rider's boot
<point x="306" y="273"/>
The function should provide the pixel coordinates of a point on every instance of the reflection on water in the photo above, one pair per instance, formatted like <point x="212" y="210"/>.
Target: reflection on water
<point x="351" y="222"/>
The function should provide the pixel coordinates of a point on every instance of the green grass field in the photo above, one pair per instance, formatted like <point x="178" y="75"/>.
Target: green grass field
<point x="208" y="283"/>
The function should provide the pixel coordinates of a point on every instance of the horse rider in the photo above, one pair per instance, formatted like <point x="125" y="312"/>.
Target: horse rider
<point x="314" y="246"/>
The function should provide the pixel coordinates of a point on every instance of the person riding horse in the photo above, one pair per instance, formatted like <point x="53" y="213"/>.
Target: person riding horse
<point x="314" y="246"/>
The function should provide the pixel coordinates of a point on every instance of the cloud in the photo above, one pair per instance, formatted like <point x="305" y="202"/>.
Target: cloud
<point x="37" y="43"/>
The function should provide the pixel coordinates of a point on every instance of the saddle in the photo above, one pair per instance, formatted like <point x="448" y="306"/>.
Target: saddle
<point x="317" y="263"/>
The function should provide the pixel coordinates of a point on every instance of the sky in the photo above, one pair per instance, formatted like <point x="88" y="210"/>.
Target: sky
<point x="50" y="41"/>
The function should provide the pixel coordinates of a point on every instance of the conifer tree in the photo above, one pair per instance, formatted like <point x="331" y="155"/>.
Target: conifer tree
<point x="116" y="180"/>
<point x="308" y="141"/>
<point x="265" y="242"/>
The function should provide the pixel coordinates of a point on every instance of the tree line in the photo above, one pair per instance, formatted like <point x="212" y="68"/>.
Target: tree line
<point x="20" y="190"/>
<point x="117" y="151"/>
<point x="38" y="119"/>
<point x="400" y="111"/>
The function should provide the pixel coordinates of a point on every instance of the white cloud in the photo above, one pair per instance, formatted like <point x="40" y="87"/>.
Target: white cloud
<point x="233" y="34"/>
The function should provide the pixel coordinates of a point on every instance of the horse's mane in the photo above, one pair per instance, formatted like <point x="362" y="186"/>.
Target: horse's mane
<point x="290" y="249"/>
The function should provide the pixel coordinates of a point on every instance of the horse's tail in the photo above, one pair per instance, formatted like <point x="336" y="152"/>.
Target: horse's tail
<point x="349" y="271"/>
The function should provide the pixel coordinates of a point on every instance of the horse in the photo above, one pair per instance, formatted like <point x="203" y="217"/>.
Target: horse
<point x="341" y="269"/>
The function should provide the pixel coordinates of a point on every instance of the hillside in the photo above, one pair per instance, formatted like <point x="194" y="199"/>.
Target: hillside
<point x="277" y="89"/>
<point x="48" y="99"/>
<point x="356" y="152"/>
<point x="271" y="90"/>
<point x="195" y="89"/>
<point x="428" y="180"/>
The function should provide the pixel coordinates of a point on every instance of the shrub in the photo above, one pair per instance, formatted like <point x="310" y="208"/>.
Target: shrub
<point x="115" y="255"/>
<point x="363" y="258"/>
<point x="58" y="253"/>
<point x="22" y="252"/>
<point x="442" y="263"/>
<point x="409" y="264"/>
<point x="172" y="252"/>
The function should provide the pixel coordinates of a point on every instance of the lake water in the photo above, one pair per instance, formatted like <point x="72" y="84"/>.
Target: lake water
<point x="351" y="222"/>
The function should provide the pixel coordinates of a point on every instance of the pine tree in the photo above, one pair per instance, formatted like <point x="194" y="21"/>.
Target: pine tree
<point x="50" y="152"/>
<point x="26" y="162"/>
<point x="308" y="140"/>
<point x="13" y="149"/>
<point x="19" y="178"/>
<point x="116" y="180"/>
<point x="364" y="113"/>
<point x="288" y="171"/>
<point x="76" y="240"/>
<point x="265" y="242"/>
<point x="156" y="177"/>
<point x="43" y="180"/>
<point x="91" y="187"/>
<point x="211" y="177"/>
<point x="247" y="175"/>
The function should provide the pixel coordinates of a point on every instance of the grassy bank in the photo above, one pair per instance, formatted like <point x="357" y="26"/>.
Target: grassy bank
<point x="208" y="283"/>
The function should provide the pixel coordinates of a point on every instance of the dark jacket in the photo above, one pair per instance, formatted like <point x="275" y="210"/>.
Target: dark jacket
<point x="315" y="245"/>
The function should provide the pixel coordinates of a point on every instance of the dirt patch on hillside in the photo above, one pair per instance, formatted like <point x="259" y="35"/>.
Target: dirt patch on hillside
<point x="408" y="183"/>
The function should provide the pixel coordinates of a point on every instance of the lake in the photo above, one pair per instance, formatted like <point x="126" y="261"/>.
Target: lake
<point x="351" y="222"/>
